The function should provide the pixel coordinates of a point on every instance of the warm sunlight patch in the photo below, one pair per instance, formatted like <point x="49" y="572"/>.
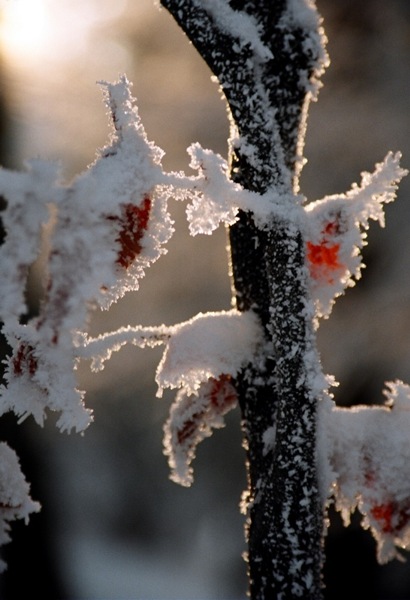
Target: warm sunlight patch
<point x="24" y="25"/>
<point x="35" y="30"/>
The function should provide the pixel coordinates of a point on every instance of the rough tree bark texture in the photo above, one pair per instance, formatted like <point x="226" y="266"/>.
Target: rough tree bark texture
<point x="267" y="101"/>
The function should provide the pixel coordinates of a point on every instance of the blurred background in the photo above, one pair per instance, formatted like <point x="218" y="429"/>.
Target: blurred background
<point x="113" y="526"/>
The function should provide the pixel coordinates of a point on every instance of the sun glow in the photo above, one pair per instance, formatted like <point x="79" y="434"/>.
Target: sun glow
<point x="24" y="27"/>
<point x="51" y="31"/>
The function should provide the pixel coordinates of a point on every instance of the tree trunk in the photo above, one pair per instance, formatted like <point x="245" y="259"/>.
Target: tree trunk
<point x="266" y="84"/>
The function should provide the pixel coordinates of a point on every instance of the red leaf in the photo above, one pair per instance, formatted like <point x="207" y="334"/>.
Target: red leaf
<point x="133" y="223"/>
<point x="324" y="257"/>
<point x="222" y="393"/>
<point x="24" y="360"/>
<point x="220" y="397"/>
<point x="392" y="516"/>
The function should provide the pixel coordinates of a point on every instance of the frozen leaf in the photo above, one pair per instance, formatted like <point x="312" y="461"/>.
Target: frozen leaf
<point x="207" y="346"/>
<point x="109" y="225"/>
<point x="15" y="501"/>
<point x="336" y="231"/>
<point x="192" y="419"/>
<point x="28" y="196"/>
<point x="368" y="454"/>
<point x="133" y="223"/>
<point x="240" y="25"/>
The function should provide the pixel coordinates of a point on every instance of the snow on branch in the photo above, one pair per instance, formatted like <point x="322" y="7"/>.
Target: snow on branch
<point x="100" y="349"/>
<point x="303" y="15"/>
<point x="213" y="201"/>
<point x="207" y="346"/>
<point x="239" y="25"/>
<point x="215" y="198"/>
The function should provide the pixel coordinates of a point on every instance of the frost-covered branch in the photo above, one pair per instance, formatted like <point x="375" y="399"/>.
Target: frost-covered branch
<point x="255" y="51"/>
<point x="267" y="98"/>
<point x="288" y="271"/>
<point x="290" y="261"/>
<point x="109" y="225"/>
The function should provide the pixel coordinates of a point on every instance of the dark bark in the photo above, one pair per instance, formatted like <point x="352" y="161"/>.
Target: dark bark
<point x="266" y="99"/>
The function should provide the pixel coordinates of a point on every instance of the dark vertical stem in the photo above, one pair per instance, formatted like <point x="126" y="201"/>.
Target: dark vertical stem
<point x="266" y="97"/>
